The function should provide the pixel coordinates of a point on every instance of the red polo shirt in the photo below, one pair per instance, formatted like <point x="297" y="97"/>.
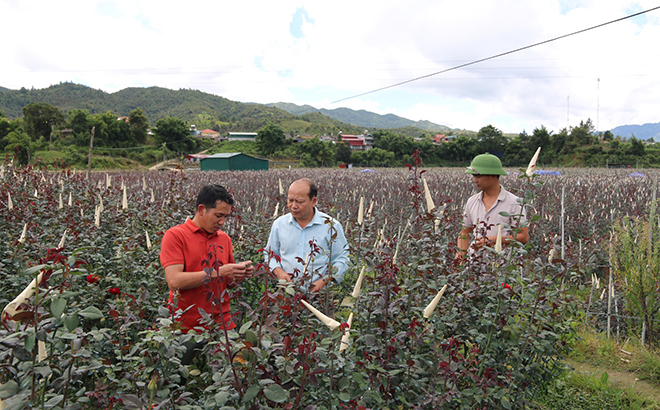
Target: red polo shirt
<point x="190" y="245"/>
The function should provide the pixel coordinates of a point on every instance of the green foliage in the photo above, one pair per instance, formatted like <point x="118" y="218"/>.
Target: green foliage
<point x="343" y="153"/>
<point x="576" y="391"/>
<point x="139" y="125"/>
<point x="174" y="134"/>
<point x="491" y="140"/>
<point x="270" y="139"/>
<point x="5" y="128"/>
<point x="40" y="118"/>
<point x="316" y="153"/>
<point x="636" y="263"/>
<point x="20" y="144"/>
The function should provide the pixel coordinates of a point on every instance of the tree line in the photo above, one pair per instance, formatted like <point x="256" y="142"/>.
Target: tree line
<point x="573" y="146"/>
<point x="44" y="127"/>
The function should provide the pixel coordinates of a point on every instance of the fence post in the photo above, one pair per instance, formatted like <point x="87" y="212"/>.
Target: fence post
<point x="609" y="296"/>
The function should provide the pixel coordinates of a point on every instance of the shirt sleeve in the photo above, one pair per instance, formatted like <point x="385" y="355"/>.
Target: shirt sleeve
<point x="467" y="218"/>
<point x="519" y="214"/>
<point x="340" y="253"/>
<point x="230" y="259"/>
<point x="272" y="251"/>
<point x="171" y="249"/>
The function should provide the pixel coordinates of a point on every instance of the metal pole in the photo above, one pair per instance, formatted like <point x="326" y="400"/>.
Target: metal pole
<point x="563" y="191"/>
<point x="89" y="158"/>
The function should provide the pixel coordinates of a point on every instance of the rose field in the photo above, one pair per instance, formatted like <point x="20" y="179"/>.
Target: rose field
<point x="97" y="333"/>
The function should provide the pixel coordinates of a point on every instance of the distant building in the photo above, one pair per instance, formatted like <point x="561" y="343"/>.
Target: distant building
<point x="209" y="134"/>
<point x="241" y="136"/>
<point x="195" y="157"/>
<point x="441" y="138"/>
<point x="232" y="161"/>
<point x="362" y="142"/>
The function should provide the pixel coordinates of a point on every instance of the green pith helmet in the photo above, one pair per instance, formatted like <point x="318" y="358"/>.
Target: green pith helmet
<point x="485" y="164"/>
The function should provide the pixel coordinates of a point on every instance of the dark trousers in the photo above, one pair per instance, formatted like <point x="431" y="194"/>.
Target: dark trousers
<point x="193" y="349"/>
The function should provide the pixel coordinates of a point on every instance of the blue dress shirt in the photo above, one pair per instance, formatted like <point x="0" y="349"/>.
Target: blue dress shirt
<point x="292" y="244"/>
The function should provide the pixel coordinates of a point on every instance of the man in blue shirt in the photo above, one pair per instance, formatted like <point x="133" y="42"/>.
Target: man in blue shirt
<point x="307" y="244"/>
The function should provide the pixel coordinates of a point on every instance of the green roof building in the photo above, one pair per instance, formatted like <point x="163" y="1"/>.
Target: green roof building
<point x="233" y="161"/>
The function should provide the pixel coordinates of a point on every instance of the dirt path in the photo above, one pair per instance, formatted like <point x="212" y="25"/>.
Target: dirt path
<point x="620" y="379"/>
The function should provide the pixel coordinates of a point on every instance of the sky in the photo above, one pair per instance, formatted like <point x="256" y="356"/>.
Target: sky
<point x="318" y="53"/>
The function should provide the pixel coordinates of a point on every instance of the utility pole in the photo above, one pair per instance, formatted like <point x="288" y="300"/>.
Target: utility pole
<point x="598" y="108"/>
<point x="89" y="158"/>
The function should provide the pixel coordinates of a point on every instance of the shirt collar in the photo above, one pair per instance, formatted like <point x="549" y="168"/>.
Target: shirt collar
<point x="500" y="197"/>
<point x="195" y="229"/>
<point x="316" y="219"/>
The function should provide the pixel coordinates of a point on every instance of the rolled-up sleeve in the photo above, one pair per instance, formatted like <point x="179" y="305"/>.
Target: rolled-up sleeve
<point x="272" y="250"/>
<point x="340" y="254"/>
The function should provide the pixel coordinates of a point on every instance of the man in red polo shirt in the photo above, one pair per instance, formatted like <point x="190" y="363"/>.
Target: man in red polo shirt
<point x="199" y="263"/>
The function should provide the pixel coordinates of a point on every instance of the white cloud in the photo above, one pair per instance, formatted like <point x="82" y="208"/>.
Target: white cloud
<point x="247" y="51"/>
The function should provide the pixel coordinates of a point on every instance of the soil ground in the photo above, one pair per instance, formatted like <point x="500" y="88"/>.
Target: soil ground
<point x="620" y="379"/>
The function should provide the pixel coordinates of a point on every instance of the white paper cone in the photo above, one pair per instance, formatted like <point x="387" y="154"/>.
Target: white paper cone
<point x="61" y="244"/>
<point x="41" y="353"/>
<point x="431" y="307"/>
<point x="532" y="164"/>
<point x="12" y="307"/>
<point x="360" y="217"/>
<point x="358" y="284"/>
<point x="346" y="338"/>
<point x="331" y="323"/>
<point x="23" y="235"/>
<point x="429" y="201"/>
<point x="498" y="241"/>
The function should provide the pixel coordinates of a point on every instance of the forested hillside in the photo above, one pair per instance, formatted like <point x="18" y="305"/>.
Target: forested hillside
<point x="364" y="118"/>
<point x="192" y="106"/>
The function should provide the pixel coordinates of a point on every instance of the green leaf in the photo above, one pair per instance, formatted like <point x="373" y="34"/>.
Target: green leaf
<point x="32" y="270"/>
<point x="221" y="398"/>
<point x="91" y="312"/>
<point x="343" y="383"/>
<point x="29" y="340"/>
<point x="251" y="393"/>
<point x="57" y="307"/>
<point x="8" y="389"/>
<point x="54" y="401"/>
<point x="245" y="327"/>
<point x="604" y="378"/>
<point x="505" y="402"/>
<point x="343" y="396"/>
<point x="276" y="393"/>
<point x="251" y="337"/>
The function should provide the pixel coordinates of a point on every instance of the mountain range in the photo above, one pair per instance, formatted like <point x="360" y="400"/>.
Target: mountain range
<point x="641" y="132"/>
<point x="362" y="118"/>
<point x="208" y="110"/>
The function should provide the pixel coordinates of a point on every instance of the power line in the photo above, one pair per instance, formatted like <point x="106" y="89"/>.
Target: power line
<point x="494" y="56"/>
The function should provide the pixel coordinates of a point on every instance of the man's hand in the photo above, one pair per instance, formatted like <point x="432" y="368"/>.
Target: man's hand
<point x="318" y="285"/>
<point x="279" y="272"/>
<point x="236" y="271"/>
<point x="484" y="241"/>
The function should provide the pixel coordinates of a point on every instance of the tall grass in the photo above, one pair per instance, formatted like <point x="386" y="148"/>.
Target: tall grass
<point x="636" y="263"/>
